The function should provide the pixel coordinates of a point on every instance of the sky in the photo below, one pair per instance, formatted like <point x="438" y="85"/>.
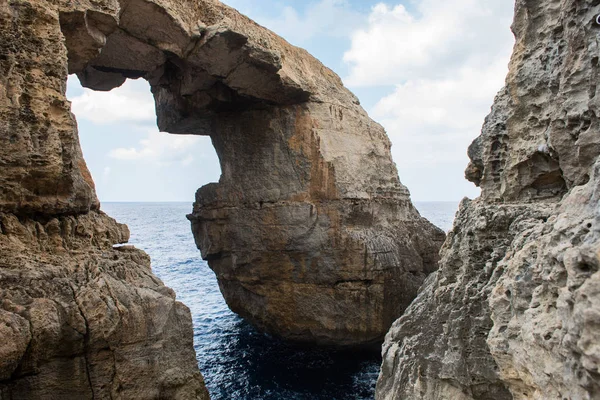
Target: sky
<point x="427" y="70"/>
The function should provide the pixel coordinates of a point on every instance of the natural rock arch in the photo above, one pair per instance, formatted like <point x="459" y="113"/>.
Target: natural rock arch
<point x="310" y="232"/>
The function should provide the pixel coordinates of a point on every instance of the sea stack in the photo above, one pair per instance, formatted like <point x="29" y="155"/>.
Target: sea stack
<point x="514" y="310"/>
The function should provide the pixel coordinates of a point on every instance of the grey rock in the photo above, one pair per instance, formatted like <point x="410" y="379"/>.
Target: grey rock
<point x="512" y="310"/>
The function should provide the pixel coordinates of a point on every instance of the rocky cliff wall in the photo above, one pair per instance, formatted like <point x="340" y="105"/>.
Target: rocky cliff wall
<point x="513" y="311"/>
<point x="78" y="318"/>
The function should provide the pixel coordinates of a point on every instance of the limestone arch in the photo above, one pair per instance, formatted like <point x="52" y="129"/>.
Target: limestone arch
<point x="310" y="232"/>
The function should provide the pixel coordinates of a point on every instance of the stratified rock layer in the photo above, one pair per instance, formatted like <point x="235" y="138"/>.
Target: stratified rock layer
<point x="309" y="230"/>
<point x="514" y="310"/>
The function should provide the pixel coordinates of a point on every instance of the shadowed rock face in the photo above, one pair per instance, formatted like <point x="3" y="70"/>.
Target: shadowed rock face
<point x="513" y="311"/>
<point x="310" y="232"/>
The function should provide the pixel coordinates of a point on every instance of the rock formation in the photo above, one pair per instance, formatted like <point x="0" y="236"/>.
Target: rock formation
<point x="514" y="310"/>
<point x="78" y="318"/>
<point x="310" y="232"/>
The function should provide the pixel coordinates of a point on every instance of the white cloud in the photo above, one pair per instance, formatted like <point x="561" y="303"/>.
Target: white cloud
<point x="132" y="102"/>
<point x="440" y="111"/>
<point x="106" y="173"/>
<point x="160" y="148"/>
<point x="434" y="40"/>
<point x="188" y="160"/>
<point x="446" y="61"/>
<point x="331" y="18"/>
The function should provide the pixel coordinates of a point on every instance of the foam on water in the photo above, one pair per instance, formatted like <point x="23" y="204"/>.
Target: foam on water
<point x="237" y="362"/>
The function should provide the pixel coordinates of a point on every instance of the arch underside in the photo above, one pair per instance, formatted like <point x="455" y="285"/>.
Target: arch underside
<point x="309" y="231"/>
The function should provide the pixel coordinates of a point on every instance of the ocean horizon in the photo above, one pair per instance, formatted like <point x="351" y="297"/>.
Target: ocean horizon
<point x="236" y="360"/>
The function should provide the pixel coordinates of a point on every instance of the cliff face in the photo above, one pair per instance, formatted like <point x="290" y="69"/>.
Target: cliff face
<point x="78" y="318"/>
<point x="513" y="311"/>
<point x="81" y="319"/>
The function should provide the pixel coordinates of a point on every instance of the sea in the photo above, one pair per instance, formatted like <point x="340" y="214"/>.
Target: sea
<point x="239" y="363"/>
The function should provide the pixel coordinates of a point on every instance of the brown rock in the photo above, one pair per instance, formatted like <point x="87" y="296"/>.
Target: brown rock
<point x="310" y="231"/>
<point x="81" y="319"/>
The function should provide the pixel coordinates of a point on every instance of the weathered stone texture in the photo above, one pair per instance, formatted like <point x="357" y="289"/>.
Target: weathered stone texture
<point x="42" y="169"/>
<point x="310" y="232"/>
<point x="81" y="319"/>
<point x="513" y="310"/>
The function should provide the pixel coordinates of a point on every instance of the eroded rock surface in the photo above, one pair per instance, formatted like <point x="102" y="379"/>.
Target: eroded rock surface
<point x="79" y="319"/>
<point x="309" y="230"/>
<point x="513" y="311"/>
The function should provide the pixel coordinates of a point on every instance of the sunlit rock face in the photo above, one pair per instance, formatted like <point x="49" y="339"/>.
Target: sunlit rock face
<point x="310" y="232"/>
<point x="513" y="311"/>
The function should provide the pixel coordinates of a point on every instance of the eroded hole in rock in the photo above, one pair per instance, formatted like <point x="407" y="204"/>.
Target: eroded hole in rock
<point x="129" y="158"/>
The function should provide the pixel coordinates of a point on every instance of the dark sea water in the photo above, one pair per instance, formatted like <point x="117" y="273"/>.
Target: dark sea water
<point x="237" y="362"/>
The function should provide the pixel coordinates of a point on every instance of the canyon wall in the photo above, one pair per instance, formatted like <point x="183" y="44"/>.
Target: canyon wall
<point x="514" y="310"/>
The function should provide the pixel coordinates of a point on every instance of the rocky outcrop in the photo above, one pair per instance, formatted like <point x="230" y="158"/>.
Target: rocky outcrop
<point x="79" y="318"/>
<point x="513" y="311"/>
<point x="310" y="232"/>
